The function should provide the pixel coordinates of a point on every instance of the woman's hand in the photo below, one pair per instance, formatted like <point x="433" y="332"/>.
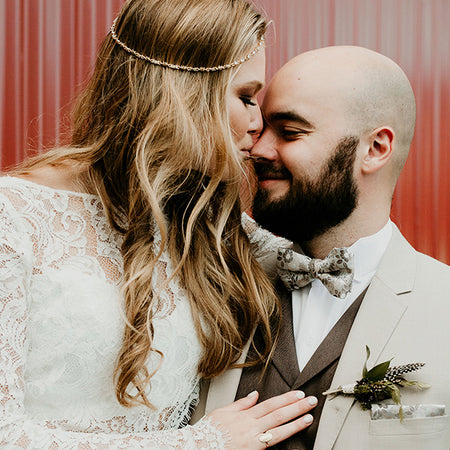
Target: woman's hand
<point x="255" y="427"/>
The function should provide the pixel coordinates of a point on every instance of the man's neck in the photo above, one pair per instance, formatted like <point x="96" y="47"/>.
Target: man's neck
<point x="343" y="235"/>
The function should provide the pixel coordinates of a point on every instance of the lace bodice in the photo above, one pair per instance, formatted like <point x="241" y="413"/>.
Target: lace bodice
<point x="61" y="326"/>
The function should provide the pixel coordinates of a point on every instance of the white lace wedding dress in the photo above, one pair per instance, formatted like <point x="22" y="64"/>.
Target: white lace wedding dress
<point x="61" y="327"/>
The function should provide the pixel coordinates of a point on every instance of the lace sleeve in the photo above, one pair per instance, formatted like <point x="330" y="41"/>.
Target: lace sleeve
<point x="17" y="429"/>
<point x="264" y="244"/>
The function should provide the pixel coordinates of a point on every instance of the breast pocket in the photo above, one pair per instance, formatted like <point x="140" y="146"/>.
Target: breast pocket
<point x="429" y="433"/>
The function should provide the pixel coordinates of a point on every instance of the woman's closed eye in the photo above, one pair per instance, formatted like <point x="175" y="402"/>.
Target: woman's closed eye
<point x="248" y="101"/>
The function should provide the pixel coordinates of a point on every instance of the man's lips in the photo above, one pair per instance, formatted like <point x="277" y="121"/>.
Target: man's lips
<point x="269" y="183"/>
<point x="268" y="176"/>
<point x="268" y="173"/>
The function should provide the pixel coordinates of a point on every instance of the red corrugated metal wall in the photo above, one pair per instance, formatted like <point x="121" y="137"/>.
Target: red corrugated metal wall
<point x="47" y="49"/>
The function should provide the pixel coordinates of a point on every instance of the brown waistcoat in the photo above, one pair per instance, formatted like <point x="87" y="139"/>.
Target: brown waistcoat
<point x="283" y="374"/>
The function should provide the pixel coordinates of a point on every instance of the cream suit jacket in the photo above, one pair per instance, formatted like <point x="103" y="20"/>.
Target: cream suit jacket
<point x="405" y="315"/>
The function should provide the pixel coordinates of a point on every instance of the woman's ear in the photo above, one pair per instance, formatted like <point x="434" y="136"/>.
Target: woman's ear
<point x="380" y="149"/>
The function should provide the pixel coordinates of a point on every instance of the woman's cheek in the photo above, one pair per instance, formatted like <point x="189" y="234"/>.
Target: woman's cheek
<point x="239" y="120"/>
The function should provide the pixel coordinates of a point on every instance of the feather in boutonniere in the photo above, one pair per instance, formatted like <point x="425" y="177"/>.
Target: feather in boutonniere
<point x="380" y="383"/>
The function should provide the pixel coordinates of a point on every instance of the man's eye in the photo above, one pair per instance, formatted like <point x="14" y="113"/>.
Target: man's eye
<point x="291" y="134"/>
<point x="248" y="101"/>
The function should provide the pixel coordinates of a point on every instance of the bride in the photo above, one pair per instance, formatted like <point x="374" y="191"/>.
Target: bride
<point x="125" y="272"/>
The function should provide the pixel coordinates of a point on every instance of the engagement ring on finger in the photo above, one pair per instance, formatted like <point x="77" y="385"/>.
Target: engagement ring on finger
<point x="265" y="438"/>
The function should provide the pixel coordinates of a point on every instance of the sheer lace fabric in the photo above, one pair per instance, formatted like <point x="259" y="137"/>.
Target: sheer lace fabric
<point x="264" y="245"/>
<point x="61" y="327"/>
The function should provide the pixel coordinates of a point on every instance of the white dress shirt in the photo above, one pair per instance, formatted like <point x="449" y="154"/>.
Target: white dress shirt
<point x="315" y="311"/>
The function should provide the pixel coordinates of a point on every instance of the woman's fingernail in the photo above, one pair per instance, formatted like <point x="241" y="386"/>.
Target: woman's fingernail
<point x="300" y="394"/>
<point x="308" y="418"/>
<point x="312" y="401"/>
<point x="252" y="394"/>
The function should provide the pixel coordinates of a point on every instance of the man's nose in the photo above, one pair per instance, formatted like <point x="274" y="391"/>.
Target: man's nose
<point x="265" y="146"/>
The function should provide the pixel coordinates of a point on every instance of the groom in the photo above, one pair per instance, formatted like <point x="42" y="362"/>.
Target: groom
<point x="339" y="123"/>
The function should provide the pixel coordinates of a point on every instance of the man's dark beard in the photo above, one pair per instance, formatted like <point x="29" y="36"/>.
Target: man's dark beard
<point x="311" y="207"/>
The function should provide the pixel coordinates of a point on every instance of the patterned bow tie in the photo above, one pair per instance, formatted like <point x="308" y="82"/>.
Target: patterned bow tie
<point x="335" y="271"/>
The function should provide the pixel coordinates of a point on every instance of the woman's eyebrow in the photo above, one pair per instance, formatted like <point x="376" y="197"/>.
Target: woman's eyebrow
<point x="256" y="85"/>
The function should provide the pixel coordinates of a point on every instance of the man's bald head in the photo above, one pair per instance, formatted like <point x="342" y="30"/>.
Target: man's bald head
<point x="366" y="89"/>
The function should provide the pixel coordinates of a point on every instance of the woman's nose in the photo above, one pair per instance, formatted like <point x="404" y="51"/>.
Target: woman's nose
<point x="256" y="123"/>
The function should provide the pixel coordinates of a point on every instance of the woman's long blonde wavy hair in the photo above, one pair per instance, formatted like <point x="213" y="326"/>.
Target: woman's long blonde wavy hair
<point x="159" y="151"/>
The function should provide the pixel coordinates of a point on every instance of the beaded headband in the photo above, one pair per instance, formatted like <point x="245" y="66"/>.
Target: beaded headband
<point x="178" y="66"/>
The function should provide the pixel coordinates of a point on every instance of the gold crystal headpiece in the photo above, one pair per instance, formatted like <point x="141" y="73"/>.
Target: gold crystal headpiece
<point x="178" y="66"/>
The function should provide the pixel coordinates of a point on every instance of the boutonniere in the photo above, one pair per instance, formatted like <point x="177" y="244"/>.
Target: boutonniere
<point x="380" y="383"/>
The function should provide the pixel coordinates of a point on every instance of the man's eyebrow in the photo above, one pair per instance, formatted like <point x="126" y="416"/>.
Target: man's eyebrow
<point x="290" y="116"/>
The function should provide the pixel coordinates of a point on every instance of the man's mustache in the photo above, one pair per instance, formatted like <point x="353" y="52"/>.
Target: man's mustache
<point x="265" y="169"/>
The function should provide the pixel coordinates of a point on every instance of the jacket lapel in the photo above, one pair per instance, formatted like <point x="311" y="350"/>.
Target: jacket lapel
<point x="378" y="316"/>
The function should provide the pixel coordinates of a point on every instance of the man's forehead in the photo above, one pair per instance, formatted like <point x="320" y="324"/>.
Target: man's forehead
<point x="287" y="99"/>
<point x="306" y="93"/>
<point x="309" y="75"/>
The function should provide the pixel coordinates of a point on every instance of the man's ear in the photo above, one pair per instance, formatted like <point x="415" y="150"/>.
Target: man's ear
<point x="380" y="149"/>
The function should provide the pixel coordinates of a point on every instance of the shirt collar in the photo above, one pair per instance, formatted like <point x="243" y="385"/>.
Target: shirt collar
<point x="368" y="251"/>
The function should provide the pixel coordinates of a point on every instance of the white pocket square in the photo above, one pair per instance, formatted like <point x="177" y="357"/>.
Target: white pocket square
<point x="385" y="411"/>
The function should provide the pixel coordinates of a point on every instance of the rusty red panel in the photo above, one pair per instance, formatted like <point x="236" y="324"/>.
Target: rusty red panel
<point x="47" y="49"/>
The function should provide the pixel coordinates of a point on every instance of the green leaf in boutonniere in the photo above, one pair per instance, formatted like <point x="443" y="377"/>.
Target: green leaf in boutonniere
<point x="380" y="383"/>
<point x="378" y="372"/>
